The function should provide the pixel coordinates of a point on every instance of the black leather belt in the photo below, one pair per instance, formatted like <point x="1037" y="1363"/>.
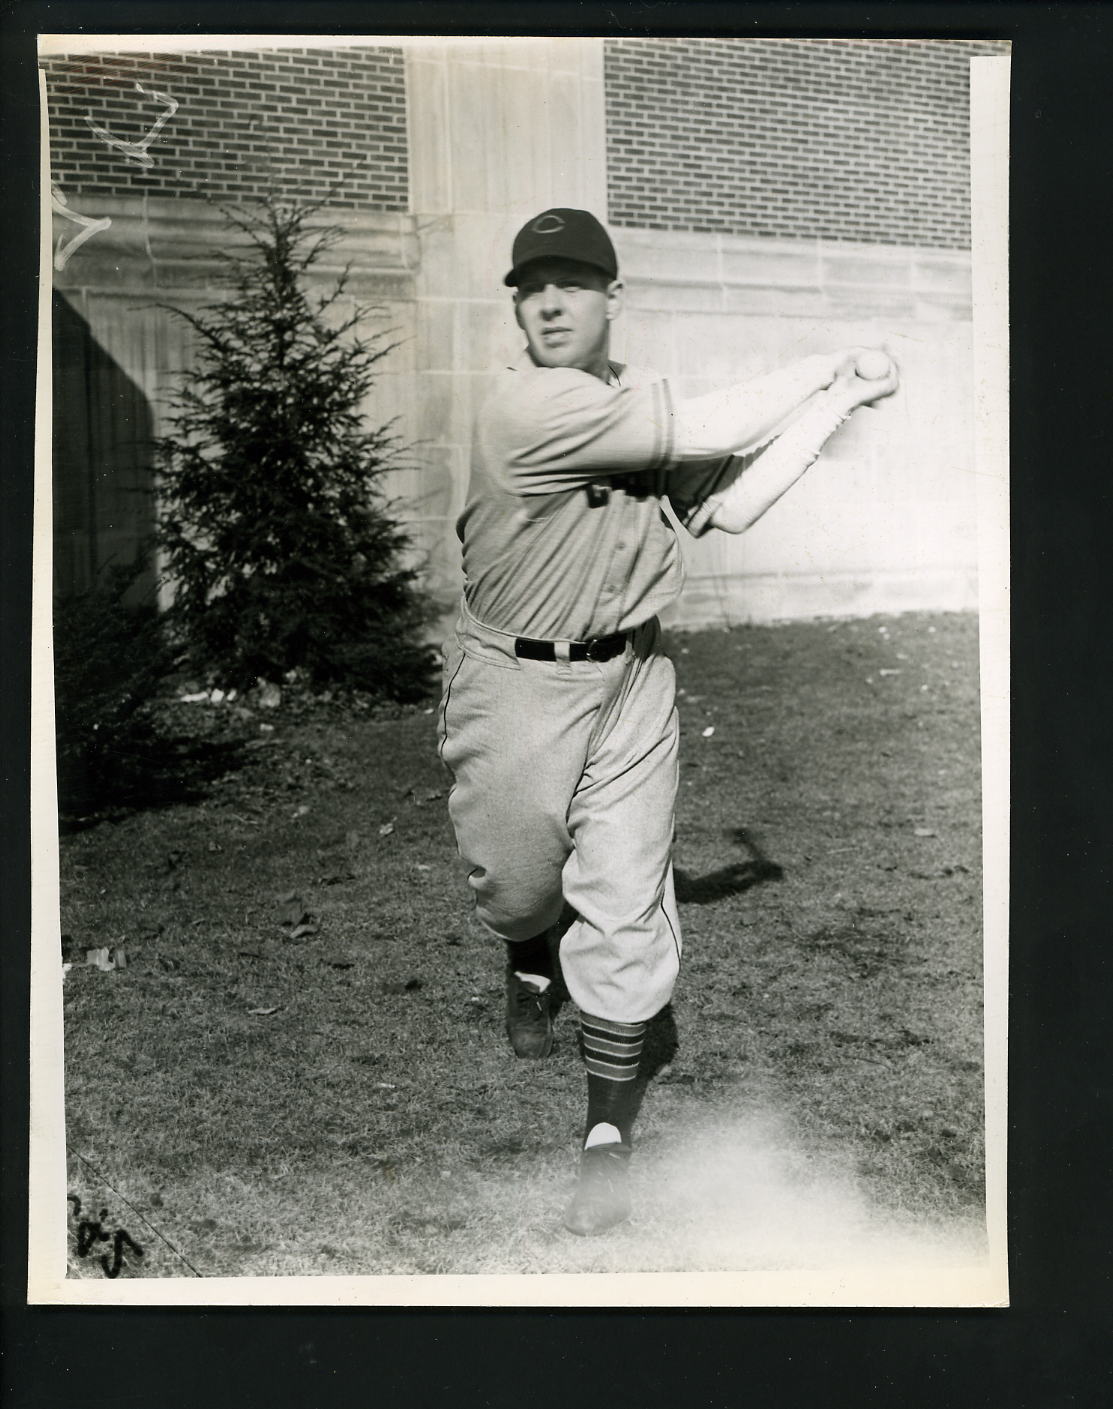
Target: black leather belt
<point x="600" y="648"/>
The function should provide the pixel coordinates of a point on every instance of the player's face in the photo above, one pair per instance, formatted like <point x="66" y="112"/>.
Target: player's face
<point x="565" y="310"/>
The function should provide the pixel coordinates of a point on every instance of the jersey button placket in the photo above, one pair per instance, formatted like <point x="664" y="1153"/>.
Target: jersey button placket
<point x="618" y="570"/>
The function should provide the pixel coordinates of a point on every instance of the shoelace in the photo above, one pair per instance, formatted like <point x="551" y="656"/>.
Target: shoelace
<point x="528" y="998"/>
<point x="605" y="1161"/>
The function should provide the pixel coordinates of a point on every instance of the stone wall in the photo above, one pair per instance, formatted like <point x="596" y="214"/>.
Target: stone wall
<point x="886" y="520"/>
<point x="499" y="129"/>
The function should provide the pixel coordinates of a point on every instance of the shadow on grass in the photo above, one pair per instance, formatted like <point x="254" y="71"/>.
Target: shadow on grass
<point x="662" y="1042"/>
<point x="728" y="880"/>
<point x="156" y="771"/>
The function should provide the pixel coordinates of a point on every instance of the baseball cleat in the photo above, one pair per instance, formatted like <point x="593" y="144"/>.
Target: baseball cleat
<point x="529" y="1017"/>
<point x="602" y="1197"/>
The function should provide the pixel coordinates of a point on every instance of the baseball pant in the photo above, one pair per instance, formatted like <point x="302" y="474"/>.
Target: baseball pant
<point x="564" y="786"/>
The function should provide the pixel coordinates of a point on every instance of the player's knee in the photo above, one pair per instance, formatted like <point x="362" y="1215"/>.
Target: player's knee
<point x="518" y="914"/>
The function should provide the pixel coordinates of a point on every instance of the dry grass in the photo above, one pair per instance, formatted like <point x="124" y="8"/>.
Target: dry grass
<point x="824" y="1094"/>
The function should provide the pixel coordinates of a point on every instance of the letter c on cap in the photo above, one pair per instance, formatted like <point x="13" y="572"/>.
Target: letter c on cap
<point x="547" y="224"/>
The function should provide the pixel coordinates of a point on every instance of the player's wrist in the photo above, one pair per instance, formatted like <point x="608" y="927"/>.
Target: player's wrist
<point x="838" y="400"/>
<point x="844" y="406"/>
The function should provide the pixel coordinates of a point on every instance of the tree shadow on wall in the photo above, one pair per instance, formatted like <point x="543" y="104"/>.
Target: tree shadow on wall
<point x="102" y="457"/>
<point x="116" y="751"/>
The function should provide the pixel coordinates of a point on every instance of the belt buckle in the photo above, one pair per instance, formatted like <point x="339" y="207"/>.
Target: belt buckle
<point x="597" y="649"/>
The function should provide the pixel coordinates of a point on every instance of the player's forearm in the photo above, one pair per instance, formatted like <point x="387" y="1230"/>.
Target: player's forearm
<point x="775" y="470"/>
<point x="739" y="417"/>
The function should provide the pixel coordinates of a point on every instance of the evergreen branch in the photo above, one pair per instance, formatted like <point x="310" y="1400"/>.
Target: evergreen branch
<point x="274" y="523"/>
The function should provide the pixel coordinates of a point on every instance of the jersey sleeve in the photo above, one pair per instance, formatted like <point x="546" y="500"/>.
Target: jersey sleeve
<point x="554" y="428"/>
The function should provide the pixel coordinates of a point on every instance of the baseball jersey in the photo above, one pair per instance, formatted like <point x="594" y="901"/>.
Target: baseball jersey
<point x="563" y="533"/>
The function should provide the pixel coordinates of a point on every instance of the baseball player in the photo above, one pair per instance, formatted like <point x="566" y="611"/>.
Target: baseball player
<point x="557" y="719"/>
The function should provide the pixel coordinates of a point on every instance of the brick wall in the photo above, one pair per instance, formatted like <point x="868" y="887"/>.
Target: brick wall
<point x="324" y="124"/>
<point x="842" y="139"/>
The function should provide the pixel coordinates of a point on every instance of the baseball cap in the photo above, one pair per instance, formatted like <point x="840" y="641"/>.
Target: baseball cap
<point x="562" y="233"/>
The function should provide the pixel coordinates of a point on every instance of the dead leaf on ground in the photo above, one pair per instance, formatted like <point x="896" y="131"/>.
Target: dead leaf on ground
<point x="295" y="913"/>
<point x="300" y="931"/>
<point x="923" y="832"/>
<point x="106" y="958"/>
<point x="386" y="829"/>
<point x="261" y="1012"/>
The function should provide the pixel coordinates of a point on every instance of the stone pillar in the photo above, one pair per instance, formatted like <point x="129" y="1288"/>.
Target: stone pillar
<point x="498" y="130"/>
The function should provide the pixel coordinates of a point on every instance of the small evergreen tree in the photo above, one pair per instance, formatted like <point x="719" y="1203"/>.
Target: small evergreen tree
<point x="276" y="532"/>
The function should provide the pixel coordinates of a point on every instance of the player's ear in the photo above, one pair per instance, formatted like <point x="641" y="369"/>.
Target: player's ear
<point x="614" y="298"/>
<point x="518" y="312"/>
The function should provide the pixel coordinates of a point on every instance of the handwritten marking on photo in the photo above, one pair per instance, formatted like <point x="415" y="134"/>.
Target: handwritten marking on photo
<point x="137" y="151"/>
<point x="61" y="206"/>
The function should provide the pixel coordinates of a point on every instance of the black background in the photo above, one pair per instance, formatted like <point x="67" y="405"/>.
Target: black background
<point x="1051" y="1347"/>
